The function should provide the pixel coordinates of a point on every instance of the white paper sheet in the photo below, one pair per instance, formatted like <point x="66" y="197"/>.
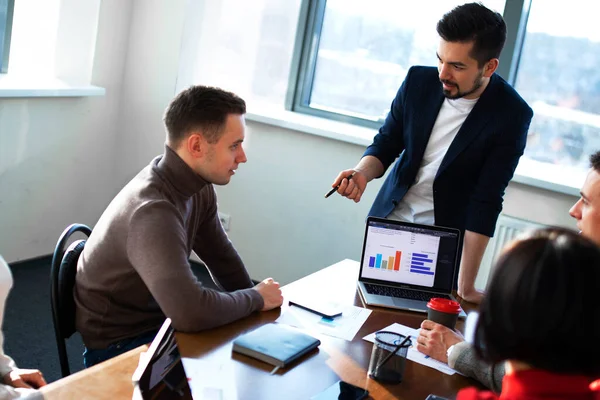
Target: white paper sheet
<point x="413" y="353"/>
<point x="210" y="380"/>
<point x="344" y="327"/>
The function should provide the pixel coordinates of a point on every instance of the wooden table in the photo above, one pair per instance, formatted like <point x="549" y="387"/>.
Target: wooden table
<point x="335" y="359"/>
<point x="109" y="380"/>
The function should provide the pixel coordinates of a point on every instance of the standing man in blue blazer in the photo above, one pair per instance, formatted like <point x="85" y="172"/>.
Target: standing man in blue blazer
<point x="457" y="134"/>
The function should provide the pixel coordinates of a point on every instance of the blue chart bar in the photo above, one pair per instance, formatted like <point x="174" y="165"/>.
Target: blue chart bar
<point x="378" y="261"/>
<point x="419" y="259"/>
<point x="420" y="271"/>
<point x="418" y="264"/>
<point x="371" y="262"/>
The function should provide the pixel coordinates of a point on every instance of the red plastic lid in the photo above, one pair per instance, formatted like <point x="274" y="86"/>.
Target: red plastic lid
<point x="444" y="305"/>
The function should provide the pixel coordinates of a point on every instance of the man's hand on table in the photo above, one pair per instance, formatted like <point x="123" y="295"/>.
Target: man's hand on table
<point x="271" y="294"/>
<point x="434" y="340"/>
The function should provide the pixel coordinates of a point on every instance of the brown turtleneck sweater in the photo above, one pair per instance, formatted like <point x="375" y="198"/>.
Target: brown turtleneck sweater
<point x="134" y="269"/>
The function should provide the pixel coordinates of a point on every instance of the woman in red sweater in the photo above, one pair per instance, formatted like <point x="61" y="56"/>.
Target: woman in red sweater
<point x="541" y="316"/>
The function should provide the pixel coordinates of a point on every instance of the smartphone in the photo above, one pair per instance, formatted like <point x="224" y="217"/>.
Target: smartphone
<point x="323" y="308"/>
<point x="342" y="391"/>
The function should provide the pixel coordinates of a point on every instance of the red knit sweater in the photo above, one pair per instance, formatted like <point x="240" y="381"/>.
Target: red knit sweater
<point x="538" y="384"/>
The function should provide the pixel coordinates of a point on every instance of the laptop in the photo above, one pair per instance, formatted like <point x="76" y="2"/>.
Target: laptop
<point x="160" y="374"/>
<point x="403" y="265"/>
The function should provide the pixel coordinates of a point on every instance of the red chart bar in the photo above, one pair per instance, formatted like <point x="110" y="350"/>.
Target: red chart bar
<point x="397" y="261"/>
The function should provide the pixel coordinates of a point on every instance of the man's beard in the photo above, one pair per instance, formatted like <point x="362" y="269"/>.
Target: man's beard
<point x="476" y="86"/>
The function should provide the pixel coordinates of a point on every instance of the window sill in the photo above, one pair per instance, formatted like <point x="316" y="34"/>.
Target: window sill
<point x="25" y="86"/>
<point x="550" y="177"/>
<point x="312" y="125"/>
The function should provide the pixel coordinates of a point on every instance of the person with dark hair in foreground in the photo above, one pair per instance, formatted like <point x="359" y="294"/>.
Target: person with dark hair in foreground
<point x="458" y="133"/>
<point x="539" y="317"/>
<point x="134" y="270"/>
<point x="449" y="346"/>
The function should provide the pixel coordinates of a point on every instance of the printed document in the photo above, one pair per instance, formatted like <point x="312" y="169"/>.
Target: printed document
<point x="413" y="353"/>
<point x="345" y="326"/>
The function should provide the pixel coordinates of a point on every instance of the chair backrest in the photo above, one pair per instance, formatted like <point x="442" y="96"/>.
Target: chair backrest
<point x="62" y="281"/>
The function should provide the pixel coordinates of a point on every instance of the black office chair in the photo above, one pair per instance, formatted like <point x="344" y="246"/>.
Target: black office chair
<point x="62" y="281"/>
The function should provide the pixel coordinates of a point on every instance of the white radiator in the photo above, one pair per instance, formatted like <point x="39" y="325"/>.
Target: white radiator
<point x="507" y="229"/>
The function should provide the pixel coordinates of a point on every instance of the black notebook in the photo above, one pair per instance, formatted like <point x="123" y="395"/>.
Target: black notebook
<point x="275" y="344"/>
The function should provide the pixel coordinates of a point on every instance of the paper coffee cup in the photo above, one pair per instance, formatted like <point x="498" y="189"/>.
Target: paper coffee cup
<point x="443" y="311"/>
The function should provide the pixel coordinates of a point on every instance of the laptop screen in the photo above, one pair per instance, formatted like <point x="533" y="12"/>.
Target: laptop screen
<point x="160" y="374"/>
<point x="409" y="255"/>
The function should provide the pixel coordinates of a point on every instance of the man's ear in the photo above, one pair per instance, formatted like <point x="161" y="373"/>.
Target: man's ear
<point x="490" y="67"/>
<point x="195" y="145"/>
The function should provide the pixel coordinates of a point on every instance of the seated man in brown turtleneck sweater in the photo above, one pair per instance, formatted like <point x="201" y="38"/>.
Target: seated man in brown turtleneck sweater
<point x="134" y="270"/>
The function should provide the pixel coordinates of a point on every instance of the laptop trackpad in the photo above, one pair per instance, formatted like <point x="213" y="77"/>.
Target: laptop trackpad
<point x="412" y="304"/>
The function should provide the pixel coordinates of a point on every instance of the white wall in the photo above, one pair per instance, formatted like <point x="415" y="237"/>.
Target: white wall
<point x="148" y="82"/>
<point x="539" y="205"/>
<point x="57" y="155"/>
<point x="280" y="221"/>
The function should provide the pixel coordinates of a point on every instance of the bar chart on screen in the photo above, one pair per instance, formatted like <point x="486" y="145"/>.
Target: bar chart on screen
<point x="392" y="263"/>
<point x="418" y="263"/>
<point x="403" y="257"/>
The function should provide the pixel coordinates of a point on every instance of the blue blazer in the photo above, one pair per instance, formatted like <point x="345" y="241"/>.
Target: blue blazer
<point x="469" y="186"/>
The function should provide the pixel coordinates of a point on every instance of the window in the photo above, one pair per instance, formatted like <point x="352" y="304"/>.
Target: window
<point x="6" y="14"/>
<point x="356" y="54"/>
<point x="242" y="46"/>
<point x="558" y="76"/>
<point x="52" y="48"/>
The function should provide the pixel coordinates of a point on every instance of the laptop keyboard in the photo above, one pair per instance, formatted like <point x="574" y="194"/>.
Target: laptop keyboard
<point x="402" y="293"/>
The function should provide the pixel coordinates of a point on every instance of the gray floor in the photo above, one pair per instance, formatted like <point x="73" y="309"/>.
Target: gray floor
<point x="28" y="330"/>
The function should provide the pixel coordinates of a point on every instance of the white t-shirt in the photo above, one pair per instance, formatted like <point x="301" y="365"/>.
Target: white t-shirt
<point x="417" y="204"/>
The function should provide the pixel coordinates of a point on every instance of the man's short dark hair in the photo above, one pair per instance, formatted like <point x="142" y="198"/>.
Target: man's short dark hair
<point x="473" y="22"/>
<point x="201" y="108"/>
<point x="595" y="161"/>
<point x="542" y="307"/>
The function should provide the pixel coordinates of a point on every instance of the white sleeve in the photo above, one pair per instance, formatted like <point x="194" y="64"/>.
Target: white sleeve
<point x="9" y="393"/>
<point x="7" y="364"/>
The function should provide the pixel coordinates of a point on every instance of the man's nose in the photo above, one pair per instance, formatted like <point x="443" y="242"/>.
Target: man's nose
<point x="444" y="73"/>
<point x="242" y="157"/>
<point x="574" y="211"/>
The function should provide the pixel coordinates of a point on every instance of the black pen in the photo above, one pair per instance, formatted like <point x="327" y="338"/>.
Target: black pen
<point x="338" y="185"/>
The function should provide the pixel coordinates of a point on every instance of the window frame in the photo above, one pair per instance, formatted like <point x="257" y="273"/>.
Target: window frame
<point x="7" y="30"/>
<point x="312" y="14"/>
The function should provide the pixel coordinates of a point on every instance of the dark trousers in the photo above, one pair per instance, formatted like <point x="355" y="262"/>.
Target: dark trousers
<point x="95" y="356"/>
